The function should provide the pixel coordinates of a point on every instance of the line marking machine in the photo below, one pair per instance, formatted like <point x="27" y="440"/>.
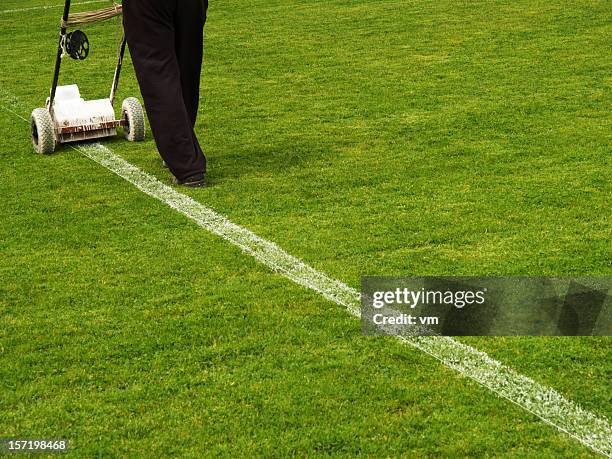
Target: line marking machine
<point x="67" y="117"/>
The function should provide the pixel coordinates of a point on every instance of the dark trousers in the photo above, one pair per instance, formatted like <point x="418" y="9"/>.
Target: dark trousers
<point x="166" y="38"/>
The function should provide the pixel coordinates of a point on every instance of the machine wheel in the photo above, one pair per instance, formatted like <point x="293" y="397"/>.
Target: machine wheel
<point x="133" y="115"/>
<point x="43" y="132"/>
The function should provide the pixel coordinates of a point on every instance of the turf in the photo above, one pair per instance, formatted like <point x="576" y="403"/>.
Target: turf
<point x="370" y="137"/>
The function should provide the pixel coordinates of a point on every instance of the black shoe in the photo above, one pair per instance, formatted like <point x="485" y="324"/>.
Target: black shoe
<point x="195" y="181"/>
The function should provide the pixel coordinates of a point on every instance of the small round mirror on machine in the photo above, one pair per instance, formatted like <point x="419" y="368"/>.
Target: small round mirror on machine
<point x="77" y="45"/>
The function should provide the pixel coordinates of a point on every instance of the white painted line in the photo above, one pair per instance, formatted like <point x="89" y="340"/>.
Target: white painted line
<point x="538" y="399"/>
<point x="542" y="401"/>
<point x="49" y="7"/>
<point x="16" y="114"/>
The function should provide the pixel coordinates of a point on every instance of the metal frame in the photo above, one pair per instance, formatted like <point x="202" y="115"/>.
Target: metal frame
<point x="118" y="71"/>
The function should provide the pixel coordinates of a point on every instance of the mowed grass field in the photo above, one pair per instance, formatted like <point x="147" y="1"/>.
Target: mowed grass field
<point x="364" y="137"/>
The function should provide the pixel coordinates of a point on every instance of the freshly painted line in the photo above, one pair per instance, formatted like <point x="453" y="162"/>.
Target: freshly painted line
<point x="542" y="401"/>
<point x="16" y="114"/>
<point x="48" y="7"/>
<point x="538" y="399"/>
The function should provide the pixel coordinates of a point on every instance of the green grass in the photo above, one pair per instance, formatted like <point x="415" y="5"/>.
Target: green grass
<point x="367" y="138"/>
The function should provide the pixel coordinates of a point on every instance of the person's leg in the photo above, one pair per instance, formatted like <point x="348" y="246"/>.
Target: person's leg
<point x="190" y="18"/>
<point x="150" y="32"/>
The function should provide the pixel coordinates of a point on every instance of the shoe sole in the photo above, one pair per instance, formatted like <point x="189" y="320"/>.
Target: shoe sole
<point x="199" y="184"/>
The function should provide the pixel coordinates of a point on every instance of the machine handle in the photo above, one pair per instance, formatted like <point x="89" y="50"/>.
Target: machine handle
<point x="58" y="60"/>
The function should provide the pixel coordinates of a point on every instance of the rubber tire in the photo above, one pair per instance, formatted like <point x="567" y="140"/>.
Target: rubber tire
<point x="43" y="131"/>
<point x="133" y="114"/>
